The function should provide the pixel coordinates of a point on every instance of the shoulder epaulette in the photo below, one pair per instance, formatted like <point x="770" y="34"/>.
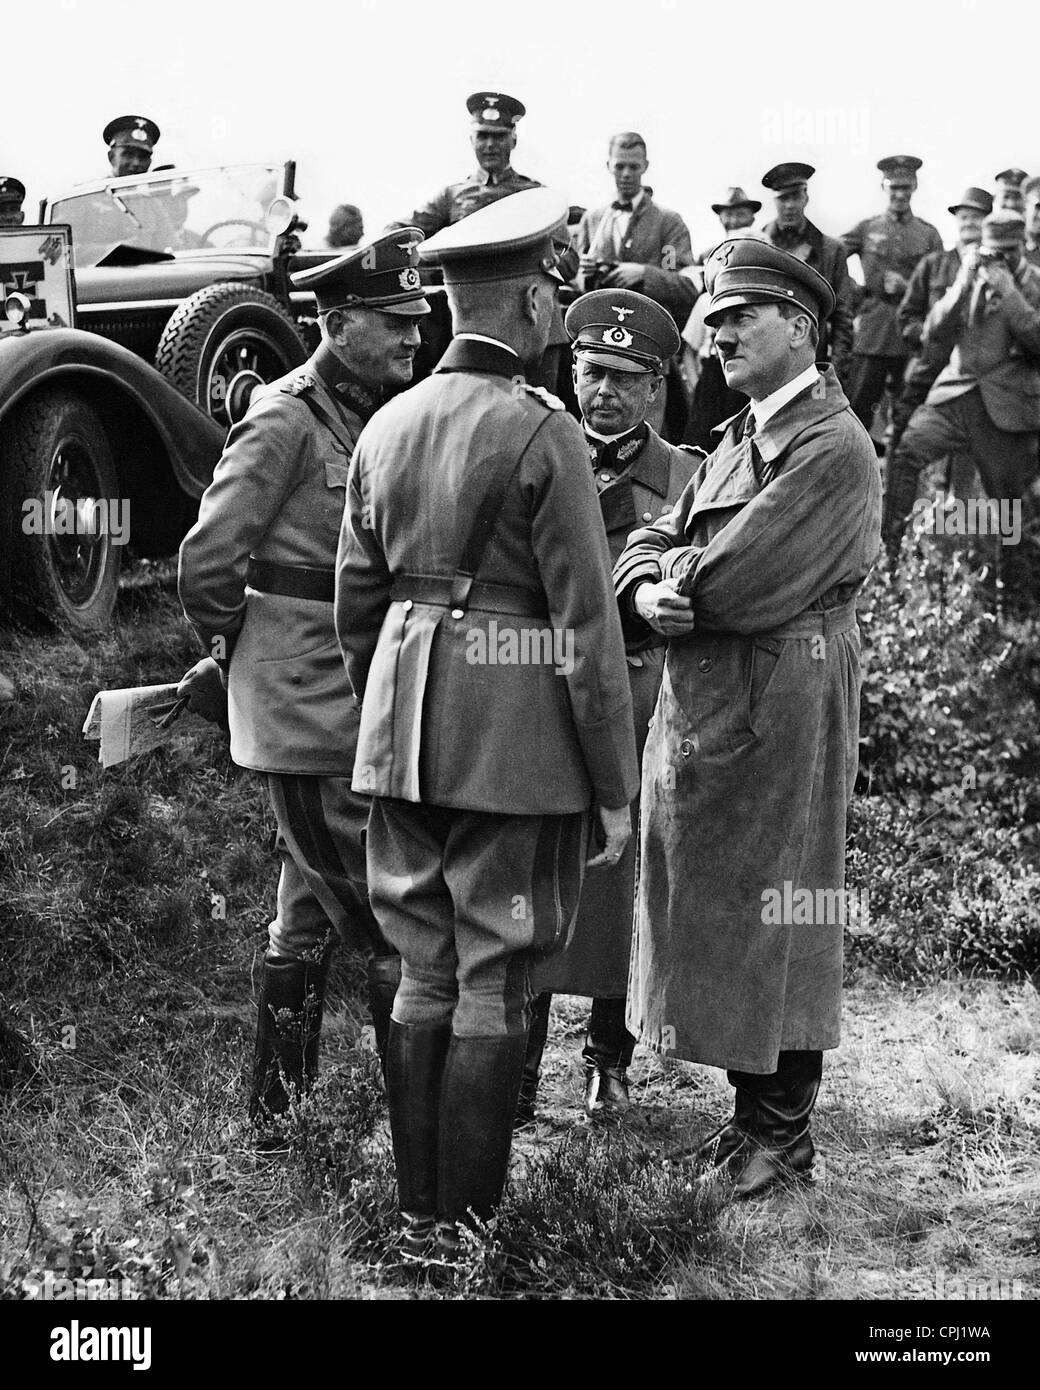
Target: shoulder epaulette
<point x="546" y="397"/>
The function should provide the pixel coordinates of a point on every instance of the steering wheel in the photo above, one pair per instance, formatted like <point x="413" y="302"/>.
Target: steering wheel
<point x="253" y="227"/>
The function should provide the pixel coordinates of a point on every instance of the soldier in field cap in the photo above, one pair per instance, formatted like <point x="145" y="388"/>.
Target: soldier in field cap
<point x="12" y="195"/>
<point x="792" y="231"/>
<point x="750" y="763"/>
<point x="889" y="246"/>
<point x="256" y="583"/>
<point x="1009" y="189"/>
<point x="1031" y="193"/>
<point x="131" y="141"/>
<point x="495" y="704"/>
<point x="622" y="343"/>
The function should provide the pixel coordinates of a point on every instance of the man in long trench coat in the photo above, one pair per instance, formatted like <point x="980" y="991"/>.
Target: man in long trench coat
<point x="623" y="343"/>
<point x="750" y="763"/>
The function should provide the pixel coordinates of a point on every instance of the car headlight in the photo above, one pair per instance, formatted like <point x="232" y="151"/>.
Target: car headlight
<point x="16" y="308"/>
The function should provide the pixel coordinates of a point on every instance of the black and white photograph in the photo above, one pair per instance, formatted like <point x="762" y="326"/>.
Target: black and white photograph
<point x="519" y="672"/>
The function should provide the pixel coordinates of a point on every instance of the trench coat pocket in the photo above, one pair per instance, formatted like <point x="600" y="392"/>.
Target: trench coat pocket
<point x="764" y="655"/>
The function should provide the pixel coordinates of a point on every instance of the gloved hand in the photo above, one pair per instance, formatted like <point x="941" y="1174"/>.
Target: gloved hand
<point x="205" y="687"/>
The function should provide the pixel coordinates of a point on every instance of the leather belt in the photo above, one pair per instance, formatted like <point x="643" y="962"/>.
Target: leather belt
<point x="490" y="598"/>
<point x="292" y="581"/>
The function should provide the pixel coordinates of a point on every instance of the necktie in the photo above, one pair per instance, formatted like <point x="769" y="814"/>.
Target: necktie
<point x="750" y="452"/>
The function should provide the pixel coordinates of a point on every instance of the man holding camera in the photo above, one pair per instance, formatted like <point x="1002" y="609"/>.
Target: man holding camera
<point x="634" y="244"/>
<point x="986" y="401"/>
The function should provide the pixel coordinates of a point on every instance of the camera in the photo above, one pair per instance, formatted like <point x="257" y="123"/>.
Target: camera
<point x="594" y="281"/>
<point x="991" y="253"/>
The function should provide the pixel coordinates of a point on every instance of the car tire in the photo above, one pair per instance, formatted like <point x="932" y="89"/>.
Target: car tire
<point x="222" y="343"/>
<point x="57" y="459"/>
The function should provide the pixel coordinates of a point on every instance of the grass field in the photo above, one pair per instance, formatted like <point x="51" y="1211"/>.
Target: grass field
<point x="134" y="905"/>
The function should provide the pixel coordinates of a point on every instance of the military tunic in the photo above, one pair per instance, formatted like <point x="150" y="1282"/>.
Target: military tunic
<point x="886" y="243"/>
<point x="753" y="750"/>
<point x="483" y="762"/>
<point x="277" y="500"/>
<point x="631" y="494"/>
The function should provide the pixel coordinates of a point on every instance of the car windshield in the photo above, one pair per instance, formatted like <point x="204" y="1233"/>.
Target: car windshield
<point x="172" y="211"/>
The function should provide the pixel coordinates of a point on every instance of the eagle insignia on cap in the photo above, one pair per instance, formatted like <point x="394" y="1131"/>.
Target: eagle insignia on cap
<point x="618" y="337"/>
<point x="409" y="279"/>
<point x="621" y="313"/>
<point x="723" y="254"/>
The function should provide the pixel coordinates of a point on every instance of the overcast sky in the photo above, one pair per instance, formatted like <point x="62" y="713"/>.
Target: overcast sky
<point x="369" y="96"/>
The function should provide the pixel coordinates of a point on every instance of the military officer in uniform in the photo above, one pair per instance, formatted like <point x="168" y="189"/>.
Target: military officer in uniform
<point x="256" y="583"/>
<point x="495" y="704"/>
<point x="12" y="195"/>
<point x="933" y="276"/>
<point x="622" y="343"/>
<point x="889" y="247"/>
<point x="750" y="764"/>
<point x="792" y="231"/>
<point x="494" y="117"/>
<point x="1010" y="193"/>
<point x="131" y="141"/>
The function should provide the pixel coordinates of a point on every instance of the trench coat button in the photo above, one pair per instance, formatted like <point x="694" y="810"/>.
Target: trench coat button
<point x="705" y="663"/>
<point x="648" y="516"/>
<point x="295" y="680"/>
<point x="457" y="613"/>
<point x="407" y="605"/>
<point x="604" y="477"/>
<point x="686" y="747"/>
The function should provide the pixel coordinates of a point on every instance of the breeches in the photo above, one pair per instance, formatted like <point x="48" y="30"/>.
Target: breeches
<point x="322" y="888"/>
<point x="471" y="899"/>
<point x="1006" y="462"/>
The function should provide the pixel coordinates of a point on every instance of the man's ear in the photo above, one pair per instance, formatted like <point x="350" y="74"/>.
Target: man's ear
<point x="529" y="302"/>
<point x="655" y="387"/>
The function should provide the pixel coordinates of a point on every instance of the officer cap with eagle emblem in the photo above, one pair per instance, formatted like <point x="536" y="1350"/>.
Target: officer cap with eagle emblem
<point x="136" y="131"/>
<point x="494" y="110"/>
<point x="623" y="330"/>
<point x="382" y="273"/>
<point x="743" y="270"/>
<point x="516" y="236"/>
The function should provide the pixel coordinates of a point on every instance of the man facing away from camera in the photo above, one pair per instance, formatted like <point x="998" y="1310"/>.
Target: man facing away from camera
<point x="750" y="763"/>
<point x="472" y="529"/>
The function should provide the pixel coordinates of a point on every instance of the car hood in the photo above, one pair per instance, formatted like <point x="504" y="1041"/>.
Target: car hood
<point x="171" y="280"/>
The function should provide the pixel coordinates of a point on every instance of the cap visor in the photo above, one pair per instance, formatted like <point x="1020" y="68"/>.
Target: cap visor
<point x="614" y="360"/>
<point x="739" y="297"/>
<point x="415" y="306"/>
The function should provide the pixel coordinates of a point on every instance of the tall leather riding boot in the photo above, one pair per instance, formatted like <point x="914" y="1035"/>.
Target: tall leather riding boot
<point x="898" y="501"/>
<point x="415" y="1058"/>
<point x="732" y="1138"/>
<point x="607" y="1053"/>
<point x="384" y="976"/>
<point x="478" y="1104"/>
<point x="783" y="1102"/>
<point x="536" y="1037"/>
<point x="288" y="1032"/>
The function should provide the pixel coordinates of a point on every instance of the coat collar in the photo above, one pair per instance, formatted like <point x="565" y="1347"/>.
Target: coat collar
<point x="652" y="466"/>
<point x="810" y="234"/>
<point x="471" y="355"/>
<point x="731" y="479"/>
<point x="341" y="383"/>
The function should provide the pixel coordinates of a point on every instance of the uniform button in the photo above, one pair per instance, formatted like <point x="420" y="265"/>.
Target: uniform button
<point x="686" y="747"/>
<point x="665" y="511"/>
<point x="407" y="605"/>
<point x="604" y="477"/>
<point x="648" y="516"/>
<point x="295" y="680"/>
<point x="705" y="663"/>
<point x="457" y="613"/>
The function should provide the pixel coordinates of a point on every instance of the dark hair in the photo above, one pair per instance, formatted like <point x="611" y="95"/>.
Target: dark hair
<point x="791" y="311"/>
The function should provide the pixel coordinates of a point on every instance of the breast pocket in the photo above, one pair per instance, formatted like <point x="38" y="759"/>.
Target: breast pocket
<point x="337" y="470"/>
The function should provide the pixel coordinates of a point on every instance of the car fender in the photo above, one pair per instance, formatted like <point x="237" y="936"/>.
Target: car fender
<point x="67" y="356"/>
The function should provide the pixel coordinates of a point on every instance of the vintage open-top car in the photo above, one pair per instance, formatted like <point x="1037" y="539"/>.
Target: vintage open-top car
<point x="139" y="317"/>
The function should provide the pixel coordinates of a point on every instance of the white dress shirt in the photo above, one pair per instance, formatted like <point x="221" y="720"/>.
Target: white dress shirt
<point x="766" y="409"/>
